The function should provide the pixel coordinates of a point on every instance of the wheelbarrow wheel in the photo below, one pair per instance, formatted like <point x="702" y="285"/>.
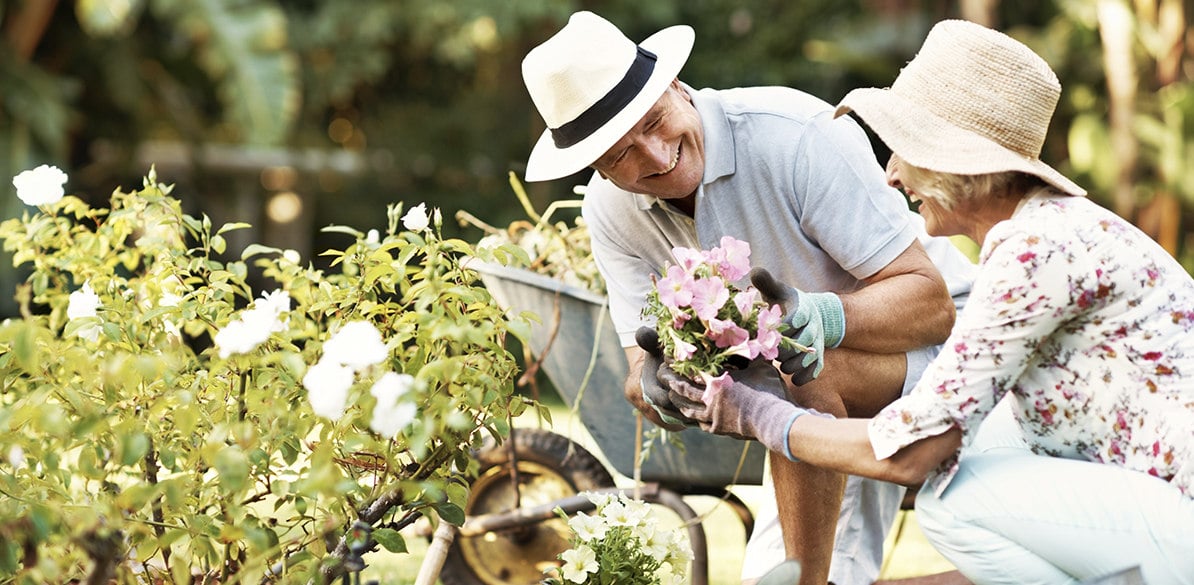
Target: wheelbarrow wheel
<point x="550" y="467"/>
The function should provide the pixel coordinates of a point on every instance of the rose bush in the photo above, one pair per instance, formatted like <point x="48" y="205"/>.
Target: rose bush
<point x="160" y="421"/>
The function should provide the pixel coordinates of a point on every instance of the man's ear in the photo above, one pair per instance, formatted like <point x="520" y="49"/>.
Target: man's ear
<point x="680" y="89"/>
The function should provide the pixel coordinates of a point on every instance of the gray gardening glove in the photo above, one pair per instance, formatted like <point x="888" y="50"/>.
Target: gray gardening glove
<point x="754" y="407"/>
<point x="815" y="320"/>
<point x="654" y="392"/>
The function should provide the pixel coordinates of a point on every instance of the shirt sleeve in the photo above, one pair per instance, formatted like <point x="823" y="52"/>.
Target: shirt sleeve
<point x="847" y="207"/>
<point x="1027" y="287"/>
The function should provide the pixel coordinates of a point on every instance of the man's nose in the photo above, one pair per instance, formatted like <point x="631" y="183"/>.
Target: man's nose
<point x="660" y="153"/>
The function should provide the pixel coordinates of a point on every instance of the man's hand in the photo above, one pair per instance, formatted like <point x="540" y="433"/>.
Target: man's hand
<point x="754" y="407"/>
<point x="653" y="391"/>
<point x="815" y="320"/>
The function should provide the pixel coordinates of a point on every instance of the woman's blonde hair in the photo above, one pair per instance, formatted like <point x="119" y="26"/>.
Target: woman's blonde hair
<point x="947" y="189"/>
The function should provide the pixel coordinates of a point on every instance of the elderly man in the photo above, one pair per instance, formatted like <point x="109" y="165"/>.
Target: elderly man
<point x="769" y="166"/>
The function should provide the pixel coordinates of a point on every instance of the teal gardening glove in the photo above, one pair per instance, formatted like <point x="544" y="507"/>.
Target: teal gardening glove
<point x="815" y="320"/>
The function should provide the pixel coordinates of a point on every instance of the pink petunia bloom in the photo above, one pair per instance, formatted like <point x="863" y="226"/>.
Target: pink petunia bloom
<point x="726" y="333"/>
<point x="683" y="349"/>
<point x="689" y="258"/>
<point x="767" y="343"/>
<point x="745" y="301"/>
<point x="770" y="317"/>
<point x="714" y="385"/>
<point x="708" y="296"/>
<point x="675" y="288"/>
<point x="735" y="258"/>
<point x="748" y="349"/>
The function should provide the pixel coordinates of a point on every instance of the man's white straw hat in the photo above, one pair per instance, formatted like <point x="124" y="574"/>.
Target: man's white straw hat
<point x="972" y="101"/>
<point x="591" y="84"/>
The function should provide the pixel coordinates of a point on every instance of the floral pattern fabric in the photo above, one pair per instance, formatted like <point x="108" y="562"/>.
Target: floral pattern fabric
<point x="1088" y="324"/>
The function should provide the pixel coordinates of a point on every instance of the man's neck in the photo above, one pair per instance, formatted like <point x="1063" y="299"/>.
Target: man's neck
<point x="686" y="204"/>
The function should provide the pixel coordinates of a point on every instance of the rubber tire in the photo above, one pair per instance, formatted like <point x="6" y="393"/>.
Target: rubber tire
<point x="541" y="453"/>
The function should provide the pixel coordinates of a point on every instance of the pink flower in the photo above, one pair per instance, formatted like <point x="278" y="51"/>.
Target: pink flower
<point x="683" y="349"/>
<point x="688" y="258"/>
<point x="708" y="296"/>
<point x="734" y="258"/>
<point x="770" y="317"/>
<point x="714" y="384"/>
<point x="675" y="288"/>
<point x="726" y="333"/>
<point x="767" y="343"/>
<point x="745" y="301"/>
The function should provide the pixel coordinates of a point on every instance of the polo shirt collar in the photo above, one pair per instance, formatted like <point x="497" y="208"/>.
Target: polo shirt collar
<point x="719" y="139"/>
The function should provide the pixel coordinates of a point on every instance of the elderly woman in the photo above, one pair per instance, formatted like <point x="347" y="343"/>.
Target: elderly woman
<point x="1075" y="352"/>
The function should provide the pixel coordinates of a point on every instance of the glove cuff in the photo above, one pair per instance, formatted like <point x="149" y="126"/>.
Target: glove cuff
<point x="788" y="428"/>
<point x="833" y="316"/>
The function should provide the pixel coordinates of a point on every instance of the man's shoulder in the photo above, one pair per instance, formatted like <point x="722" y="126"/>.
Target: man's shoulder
<point x="780" y="101"/>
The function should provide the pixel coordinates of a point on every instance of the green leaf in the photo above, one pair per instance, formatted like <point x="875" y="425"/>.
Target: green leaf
<point x="257" y="249"/>
<point x="390" y="539"/>
<point x="24" y="347"/>
<point x="450" y="513"/>
<point x="133" y="448"/>
<point x="233" y="468"/>
<point x="240" y="225"/>
<point x="457" y="494"/>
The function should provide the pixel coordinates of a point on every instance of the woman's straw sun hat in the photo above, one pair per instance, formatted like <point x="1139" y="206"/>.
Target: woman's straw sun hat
<point x="972" y="101"/>
<point x="591" y="84"/>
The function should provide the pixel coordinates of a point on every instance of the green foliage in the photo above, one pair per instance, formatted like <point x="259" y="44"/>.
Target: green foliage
<point x="151" y="452"/>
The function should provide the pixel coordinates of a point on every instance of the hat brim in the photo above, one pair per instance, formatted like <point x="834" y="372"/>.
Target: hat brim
<point x="671" y="47"/>
<point x="926" y="140"/>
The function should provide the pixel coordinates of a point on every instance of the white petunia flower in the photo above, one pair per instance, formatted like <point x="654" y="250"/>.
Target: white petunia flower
<point x="40" y="186"/>
<point x="578" y="563"/>
<point x="601" y="500"/>
<point x="327" y="387"/>
<point x="622" y="513"/>
<point x="390" y="416"/>
<point x="357" y="345"/>
<point x="588" y="528"/>
<point x="84" y="303"/>
<point x="656" y="543"/>
<point x="416" y="219"/>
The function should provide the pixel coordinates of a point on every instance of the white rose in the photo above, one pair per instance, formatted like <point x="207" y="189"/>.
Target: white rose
<point x="83" y="304"/>
<point x="357" y="345"/>
<point x="416" y="219"/>
<point x="390" y="416"/>
<point x="327" y="387"/>
<point x="40" y="186"/>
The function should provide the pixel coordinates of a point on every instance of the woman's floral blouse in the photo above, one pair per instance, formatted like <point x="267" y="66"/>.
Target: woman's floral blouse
<point x="1089" y="324"/>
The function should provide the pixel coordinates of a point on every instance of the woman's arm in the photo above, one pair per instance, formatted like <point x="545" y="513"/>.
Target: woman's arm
<point x="844" y="445"/>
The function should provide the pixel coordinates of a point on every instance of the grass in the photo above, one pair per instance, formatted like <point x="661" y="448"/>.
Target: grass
<point x="908" y="553"/>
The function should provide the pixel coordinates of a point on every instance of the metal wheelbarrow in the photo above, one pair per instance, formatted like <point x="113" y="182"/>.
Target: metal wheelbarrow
<point x="511" y="535"/>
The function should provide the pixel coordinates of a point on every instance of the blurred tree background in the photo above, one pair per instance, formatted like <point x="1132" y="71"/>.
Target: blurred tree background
<point x="295" y="114"/>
